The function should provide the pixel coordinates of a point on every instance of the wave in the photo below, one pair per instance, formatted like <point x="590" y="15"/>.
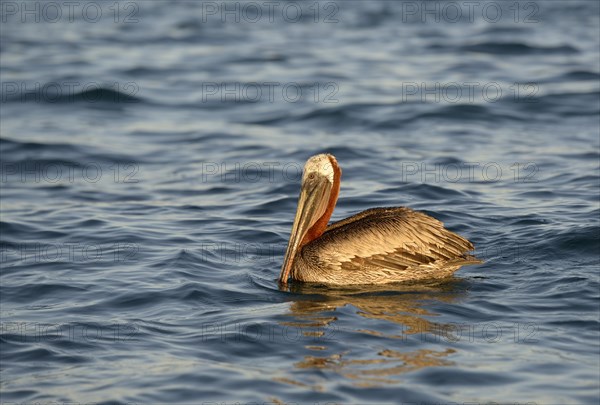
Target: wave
<point x="55" y="93"/>
<point x="518" y="48"/>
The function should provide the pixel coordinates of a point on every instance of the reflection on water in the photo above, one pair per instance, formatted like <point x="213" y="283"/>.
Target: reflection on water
<point x="405" y="306"/>
<point x="392" y="363"/>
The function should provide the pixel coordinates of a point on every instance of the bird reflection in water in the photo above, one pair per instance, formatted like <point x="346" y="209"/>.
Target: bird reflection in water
<point x="403" y="308"/>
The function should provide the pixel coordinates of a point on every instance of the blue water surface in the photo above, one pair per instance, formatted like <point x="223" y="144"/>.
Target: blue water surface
<point x="151" y="159"/>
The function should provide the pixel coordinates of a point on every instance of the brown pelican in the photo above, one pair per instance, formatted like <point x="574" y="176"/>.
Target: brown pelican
<point x="376" y="246"/>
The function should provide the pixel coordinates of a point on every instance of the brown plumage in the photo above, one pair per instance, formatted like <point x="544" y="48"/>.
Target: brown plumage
<point x="382" y="245"/>
<point x="376" y="246"/>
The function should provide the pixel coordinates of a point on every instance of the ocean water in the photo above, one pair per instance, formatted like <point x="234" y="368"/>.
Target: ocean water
<point x="151" y="157"/>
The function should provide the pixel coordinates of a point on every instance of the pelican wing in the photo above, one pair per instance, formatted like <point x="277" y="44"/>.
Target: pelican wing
<point x="388" y="239"/>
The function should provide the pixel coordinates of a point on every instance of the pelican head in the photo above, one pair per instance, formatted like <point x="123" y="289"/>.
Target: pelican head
<point x="318" y="195"/>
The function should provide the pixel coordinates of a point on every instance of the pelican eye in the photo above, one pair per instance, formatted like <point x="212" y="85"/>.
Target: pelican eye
<point x="311" y="176"/>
